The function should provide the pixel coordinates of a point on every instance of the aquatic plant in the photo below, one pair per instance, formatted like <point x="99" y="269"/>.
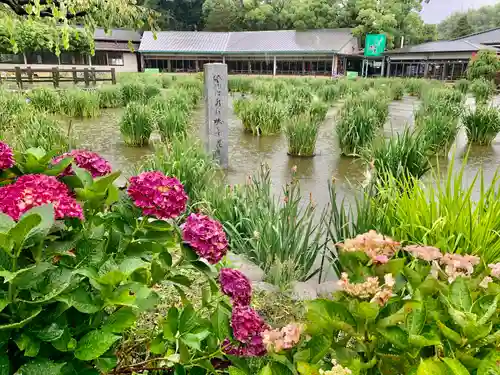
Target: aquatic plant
<point x="44" y="99"/>
<point x="137" y="124"/>
<point x="439" y="131"/>
<point x="132" y="91"/>
<point x="414" y="86"/>
<point x="329" y="92"/>
<point x="462" y="85"/>
<point x="442" y="101"/>
<point x="397" y="89"/>
<point x="482" y="90"/>
<point x="317" y="110"/>
<point x="80" y="103"/>
<point x="356" y="127"/>
<point x="110" y="96"/>
<point x="400" y="156"/>
<point x="171" y="123"/>
<point x="261" y="116"/>
<point x="482" y="124"/>
<point x="302" y="133"/>
<point x="13" y="110"/>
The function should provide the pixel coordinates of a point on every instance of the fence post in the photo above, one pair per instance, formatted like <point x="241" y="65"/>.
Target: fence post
<point x="94" y="78"/>
<point x="86" y="77"/>
<point x="55" y="77"/>
<point x="75" y="75"/>
<point x="30" y="74"/>
<point x="19" y="78"/>
<point x="113" y="76"/>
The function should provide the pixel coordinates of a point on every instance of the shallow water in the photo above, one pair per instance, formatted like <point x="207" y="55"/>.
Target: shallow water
<point x="246" y="152"/>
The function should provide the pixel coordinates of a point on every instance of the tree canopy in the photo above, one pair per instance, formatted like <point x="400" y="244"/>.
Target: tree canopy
<point x="32" y="24"/>
<point x="484" y="18"/>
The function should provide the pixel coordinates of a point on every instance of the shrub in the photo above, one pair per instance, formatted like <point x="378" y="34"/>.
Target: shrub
<point x="260" y="116"/>
<point x="110" y="97"/>
<point x="482" y="125"/>
<point x="80" y="103"/>
<point x="44" y="99"/>
<point x="482" y="90"/>
<point x="400" y="156"/>
<point x="137" y="124"/>
<point x="485" y="65"/>
<point x="462" y="85"/>
<point x="302" y="133"/>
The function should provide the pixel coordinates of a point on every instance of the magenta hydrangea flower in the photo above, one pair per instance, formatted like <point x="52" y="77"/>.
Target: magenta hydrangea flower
<point x="6" y="156"/>
<point x="34" y="190"/>
<point x="235" y="285"/>
<point x="158" y="195"/>
<point x="246" y="324"/>
<point x="92" y="162"/>
<point x="255" y="348"/>
<point x="206" y="236"/>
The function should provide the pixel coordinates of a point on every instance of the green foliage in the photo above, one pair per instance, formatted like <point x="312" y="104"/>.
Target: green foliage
<point x="482" y="125"/>
<point x="397" y="90"/>
<point x="137" y="124"/>
<point x="279" y="234"/>
<point x="485" y="65"/>
<point x="462" y="28"/>
<point x="439" y="131"/>
<point x="261" y="116"/>
<point x="482" y="90"/>
<point x="302" y="133"/>
<point x="462" y="85"/>
<point x="44" y="99"/>
<point x="400" y="156"/>
<point x="110" y="97"/>
<point x="80" y="103"/>
<point x="480" y="19"/>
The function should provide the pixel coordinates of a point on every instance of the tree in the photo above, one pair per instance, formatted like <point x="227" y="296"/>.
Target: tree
<point x="178" y="14"/>
<point x="58" y="15"/>
<point x="484" y="18"/>
<point x="462" y="28"/>
<point x="485" y="64"/>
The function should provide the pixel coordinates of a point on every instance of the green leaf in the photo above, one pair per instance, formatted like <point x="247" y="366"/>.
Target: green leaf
<point x="184" y="352"/>
<point x="81" y="300"/>
<point x="490" y="364"/>
<point x="4" y="364"/>
<point x="449" y="333"/>
<point x="40" y="367"/>
<point x="102" y="183"/>
<point x="23" y="322"/>
<point x="165" y="258"/>
<point x="20" y="232"/>
<point x="30" y="345"/>
<point x="193" y="340"/>
<point x="46" y="214"/>
<point x="187" y="320"/>
<point x="455" y="366"/>
<point x="49" y="333"/>
<point x="396" y="336"/>
<point x="415" y="319"/>
<point x="120" y="320"/>
<point x="220" y="322"/>
<point x="65" y="343"/>
<point x="94" y="344"/>
<point x="431" y="367"/>
<point x="266" y="370"/>
<point x="180" y="279"/>
<point x="6" y="223"/>
<point x="171" y="325"/>
<point x="367" y="310"/>
<point x="328" y="315"/>
<point x="460" y="296"/>
<point x="319" y="346"/>
<point x="83" y="175"/>
<point x="236" y="371"/>
<point x="306" y="369"/>
<point x="157" y="345"/>
<point x="106" y="364"/>
<point x="488" y="308"/>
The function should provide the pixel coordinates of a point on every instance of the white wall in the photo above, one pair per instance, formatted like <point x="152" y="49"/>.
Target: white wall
<point x="129" y="65"/>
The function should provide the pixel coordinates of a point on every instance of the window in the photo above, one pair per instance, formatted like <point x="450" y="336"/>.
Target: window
<point x="43" y="57"/>
<point x="70" y="58"/>
<point x="99" y="58"/>
<point x="115" y="58"/>
<point x="12" y="58"/>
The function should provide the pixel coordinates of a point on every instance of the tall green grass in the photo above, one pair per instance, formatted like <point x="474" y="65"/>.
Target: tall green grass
<point x="172" y="123"/>
<point x="400" y="156"/>
<point x="44" y="99"/>
<point x="280" y="235"/>
<point x="482" y="90"/>
<point x="397" y="89"/>
<point x="13" y="107"/>
<point x="261" y="116"/>
<point x="439" y="131"/>
<point x="329" y="92"/>
<point x="80" y="103"/>
<point x="110" y="97"/>
<point x="302" y="132"/>
<point x="482" y="124"/>
<point x="137" y="124"/>
<point x="462" y="85"/>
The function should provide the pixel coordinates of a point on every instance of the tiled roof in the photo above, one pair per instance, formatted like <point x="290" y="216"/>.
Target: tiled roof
<point x="285" y="41"/>
<point x="485" y="37"/>
<point x="114" y="46"/>
<point x="118" y="34"/>
<point x="441" y="46"/>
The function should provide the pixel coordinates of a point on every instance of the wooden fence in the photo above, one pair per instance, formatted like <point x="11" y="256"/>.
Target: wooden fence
<point x="57" y="76"/>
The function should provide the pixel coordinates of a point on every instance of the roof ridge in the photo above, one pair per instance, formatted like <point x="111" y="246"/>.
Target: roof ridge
<point x="477" y="33"/>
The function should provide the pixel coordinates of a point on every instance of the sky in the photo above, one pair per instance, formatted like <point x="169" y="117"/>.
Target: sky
<point x="437" y="10"/>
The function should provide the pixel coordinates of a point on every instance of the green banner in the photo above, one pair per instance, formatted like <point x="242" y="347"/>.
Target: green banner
<point x="375" y="44"/>
<point x="352" y="75"/>
<point x="151" y="70"/>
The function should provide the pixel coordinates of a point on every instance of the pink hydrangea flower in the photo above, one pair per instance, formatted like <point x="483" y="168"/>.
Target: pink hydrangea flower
<point x="235" y="285"/>
<point x="34" y="190"/>
<point x="6" y="156"/>
<point x="255" y="348"/>
<point x="206" y="236"/>
<point x="158" y="195"/>
<point x="246" y="324"/>
<point x="92" y="162"/>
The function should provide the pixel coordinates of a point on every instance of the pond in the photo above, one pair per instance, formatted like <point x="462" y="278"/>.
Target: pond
<point x="247" y="152"/>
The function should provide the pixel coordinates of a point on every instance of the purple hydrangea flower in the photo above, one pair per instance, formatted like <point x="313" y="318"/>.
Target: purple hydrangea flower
<point x="92" y="162"/>
<point x="255" y="348"/>
<point x="246" y="324"/>
<point x="34" y="190"/>
<point x="158" y="195"/>
<point x="235" y="285"/>
<point x="6" y="156"/>
<point x="206" y="236"/>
